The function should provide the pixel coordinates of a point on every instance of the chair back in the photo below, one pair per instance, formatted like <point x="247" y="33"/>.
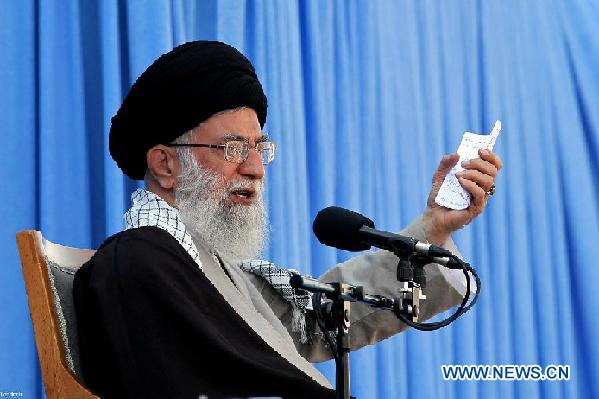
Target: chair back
<point x="48" y="271"/>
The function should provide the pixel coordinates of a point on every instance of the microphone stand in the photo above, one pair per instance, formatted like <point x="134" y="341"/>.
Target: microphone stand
<point x="340" y="313"/>
<point x="334" y="315"/>
<point x="412" y="280"/>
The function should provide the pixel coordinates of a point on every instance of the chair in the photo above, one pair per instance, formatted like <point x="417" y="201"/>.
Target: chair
<point x="48" y="270"/>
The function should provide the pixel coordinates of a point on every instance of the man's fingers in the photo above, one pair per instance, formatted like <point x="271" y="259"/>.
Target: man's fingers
<point x="478" y="194"/>
<point x="483" y="180"/>
<point x="491" y="157"/>
<point x="447" y="162"/>
<point x="481" y="165"/>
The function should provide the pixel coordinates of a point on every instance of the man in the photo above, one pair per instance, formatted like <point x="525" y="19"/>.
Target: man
<point x="170" y="307"/>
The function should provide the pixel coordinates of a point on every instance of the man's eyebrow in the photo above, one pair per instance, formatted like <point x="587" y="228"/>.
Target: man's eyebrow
<point x="229" y="137"/>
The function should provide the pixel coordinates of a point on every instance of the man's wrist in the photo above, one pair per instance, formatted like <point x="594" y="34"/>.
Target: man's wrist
<point x="434" y="235"/>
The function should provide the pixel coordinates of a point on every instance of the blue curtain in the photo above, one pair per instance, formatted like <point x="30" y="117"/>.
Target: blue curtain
<point x="365" y="97"/>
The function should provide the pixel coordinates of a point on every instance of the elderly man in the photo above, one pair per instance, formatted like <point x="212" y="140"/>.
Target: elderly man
<point x="170" y="307"/>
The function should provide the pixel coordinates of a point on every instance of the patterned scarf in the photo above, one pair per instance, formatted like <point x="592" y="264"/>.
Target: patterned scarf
<point x="149" y="209"/>
<point x="279" y="280"/>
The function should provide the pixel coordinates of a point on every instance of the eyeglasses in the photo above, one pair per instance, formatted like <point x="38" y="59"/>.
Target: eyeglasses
<point x="237" y="151"/>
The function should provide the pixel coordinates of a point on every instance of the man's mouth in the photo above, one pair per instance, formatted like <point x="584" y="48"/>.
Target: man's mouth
<point x="243" y="196"/>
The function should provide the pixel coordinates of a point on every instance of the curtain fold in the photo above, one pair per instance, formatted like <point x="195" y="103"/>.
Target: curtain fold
<point x="364" y="99"/>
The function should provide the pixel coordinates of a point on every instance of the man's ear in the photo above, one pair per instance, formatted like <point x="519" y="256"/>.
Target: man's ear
<point x="163" y="166"/>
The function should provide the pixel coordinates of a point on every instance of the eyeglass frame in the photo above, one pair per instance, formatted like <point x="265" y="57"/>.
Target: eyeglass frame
<point x="224" y="147"/>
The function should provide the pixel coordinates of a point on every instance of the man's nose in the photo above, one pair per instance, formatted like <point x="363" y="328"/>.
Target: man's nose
<point x="252" y="167"/>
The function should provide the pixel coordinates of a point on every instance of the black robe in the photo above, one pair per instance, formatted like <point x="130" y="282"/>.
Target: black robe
<point x="151" y="325"/>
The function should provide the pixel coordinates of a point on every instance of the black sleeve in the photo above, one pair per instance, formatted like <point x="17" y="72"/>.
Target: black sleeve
<point x="151" y="325"/>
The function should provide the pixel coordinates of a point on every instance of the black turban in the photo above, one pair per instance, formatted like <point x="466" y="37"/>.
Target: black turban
<point x="181" y="89"/>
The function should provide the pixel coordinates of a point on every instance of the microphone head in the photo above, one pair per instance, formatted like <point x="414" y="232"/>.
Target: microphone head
<point x="295" y="281"/>
<point x="340" y="228"/>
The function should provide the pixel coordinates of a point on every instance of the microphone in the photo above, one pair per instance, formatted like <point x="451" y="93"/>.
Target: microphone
<point x="310" y="284"/>
<point x="344" y="229"/>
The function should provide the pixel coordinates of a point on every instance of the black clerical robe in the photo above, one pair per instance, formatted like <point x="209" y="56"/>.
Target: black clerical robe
<point x="152" y="325"/>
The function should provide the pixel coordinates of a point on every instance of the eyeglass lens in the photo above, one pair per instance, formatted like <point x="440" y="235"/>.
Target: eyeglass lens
<point x="237" y="151"/>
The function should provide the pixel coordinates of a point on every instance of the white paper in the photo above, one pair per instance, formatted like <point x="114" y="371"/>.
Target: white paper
<point x="451" y="194"/>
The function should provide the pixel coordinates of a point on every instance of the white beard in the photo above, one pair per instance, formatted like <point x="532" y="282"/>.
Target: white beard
<point x="235" y="231"/>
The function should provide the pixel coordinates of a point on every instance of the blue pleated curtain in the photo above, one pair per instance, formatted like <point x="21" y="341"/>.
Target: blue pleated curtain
<point x="364" y="98"/>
